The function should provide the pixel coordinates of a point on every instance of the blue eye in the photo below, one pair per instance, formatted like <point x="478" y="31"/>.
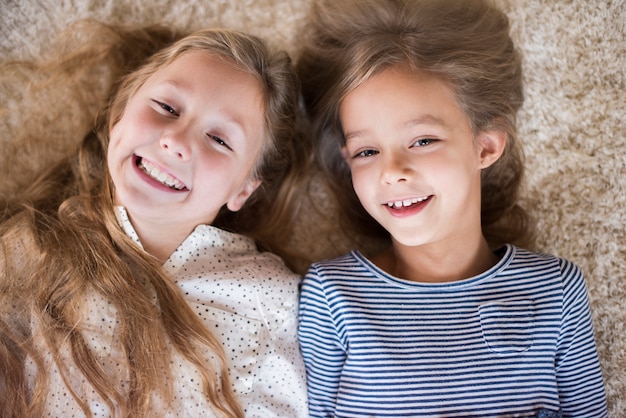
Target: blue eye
<point x="423" y="142"/>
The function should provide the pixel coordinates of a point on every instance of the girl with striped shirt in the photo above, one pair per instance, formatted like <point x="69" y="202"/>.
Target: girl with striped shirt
<point x="414" y="109"/>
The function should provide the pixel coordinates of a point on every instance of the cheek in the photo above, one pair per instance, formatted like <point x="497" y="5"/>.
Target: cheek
<point x="118" y="149"/>
<point x="114" y="142"/>
<point x="114" y="135"/>
<point x="120" y="132"/>
<point x="454" y="164"/>
<point x="214" y="170"/>
<point x="362" y="182"/>
<point x="133" y="122"/>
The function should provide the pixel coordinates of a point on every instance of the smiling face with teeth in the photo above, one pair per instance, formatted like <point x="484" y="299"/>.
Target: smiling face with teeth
<point x="415" y="160"/>
<point x="186" y="145"/>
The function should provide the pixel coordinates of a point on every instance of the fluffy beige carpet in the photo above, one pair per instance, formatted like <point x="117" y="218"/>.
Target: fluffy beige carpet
<point x="572" y="123"/>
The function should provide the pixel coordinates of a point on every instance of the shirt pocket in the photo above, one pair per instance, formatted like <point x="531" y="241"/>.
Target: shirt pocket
<point x="241" y="339"/>
<point x="507" y="326"/>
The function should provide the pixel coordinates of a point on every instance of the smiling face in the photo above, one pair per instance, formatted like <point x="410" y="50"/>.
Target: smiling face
<point x="187" y="143"/>
<point x="414" y="158"/>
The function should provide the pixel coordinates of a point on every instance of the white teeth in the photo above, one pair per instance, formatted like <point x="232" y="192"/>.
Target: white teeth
<point x="160" y="176"/>
<point x="406" y="203"/>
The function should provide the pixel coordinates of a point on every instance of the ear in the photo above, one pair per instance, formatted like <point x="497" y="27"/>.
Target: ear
<point x="237" y="201"/>
<point x="491" y="144"/>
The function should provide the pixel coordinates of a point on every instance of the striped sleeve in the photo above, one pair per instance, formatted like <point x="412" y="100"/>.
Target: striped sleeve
<point x="579" y="377"/>
<point x="321" y="347"/>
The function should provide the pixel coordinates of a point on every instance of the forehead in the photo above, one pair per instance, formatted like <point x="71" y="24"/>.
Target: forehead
<point x="399" y="95"/>
<point x="197" y="66"/>
<point x="403" y="82"/>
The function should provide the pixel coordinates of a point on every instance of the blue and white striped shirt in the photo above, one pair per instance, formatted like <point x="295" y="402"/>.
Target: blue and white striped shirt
<point x="515" y="341"/>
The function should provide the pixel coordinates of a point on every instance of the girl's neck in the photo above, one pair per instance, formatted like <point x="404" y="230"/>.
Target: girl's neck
<point x="159" y="240"/>
<point x="437" y="263"/>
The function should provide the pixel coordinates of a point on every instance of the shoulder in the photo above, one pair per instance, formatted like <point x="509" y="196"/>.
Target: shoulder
<point x="263" y="272"/>
<point x="544" y="264"/>
<point x="219" y="252"/>
<point x="338" y="265"/>
<point x="342" y="272"/>
<point x="272" y="275"/>
<point x="523" y="258"/>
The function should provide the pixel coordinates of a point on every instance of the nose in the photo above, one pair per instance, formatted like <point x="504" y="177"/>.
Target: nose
<point x="176" y="143"/>
<point x="395" y="168"/>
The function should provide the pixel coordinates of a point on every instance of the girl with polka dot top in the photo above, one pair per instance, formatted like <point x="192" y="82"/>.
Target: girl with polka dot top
<point x="131" y="280"/>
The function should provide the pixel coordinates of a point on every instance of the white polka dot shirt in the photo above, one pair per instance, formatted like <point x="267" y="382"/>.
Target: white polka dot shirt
<point x="247" y="299"/>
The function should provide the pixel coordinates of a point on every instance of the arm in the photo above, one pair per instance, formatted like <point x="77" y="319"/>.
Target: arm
<point x="323" y="352"/>
<point x="579" y="378"/>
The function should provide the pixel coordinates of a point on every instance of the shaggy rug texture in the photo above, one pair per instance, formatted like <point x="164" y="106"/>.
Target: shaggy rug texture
<point x="572" y="125"/>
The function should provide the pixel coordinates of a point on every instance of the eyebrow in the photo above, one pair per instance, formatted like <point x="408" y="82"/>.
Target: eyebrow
<point x="422" y="120"/>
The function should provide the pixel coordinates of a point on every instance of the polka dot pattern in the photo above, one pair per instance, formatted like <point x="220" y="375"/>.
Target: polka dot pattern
<point x="247" y="299"/>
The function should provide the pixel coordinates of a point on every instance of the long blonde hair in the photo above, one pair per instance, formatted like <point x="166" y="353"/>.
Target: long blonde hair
<point x="283" y="164"/>
<point x="464" y="43"/>
<point x="60" y="239"/>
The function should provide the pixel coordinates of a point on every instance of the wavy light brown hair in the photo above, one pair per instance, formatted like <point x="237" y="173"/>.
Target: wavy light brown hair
<point x="464" y="43"/>
<point x="60" y="239"/>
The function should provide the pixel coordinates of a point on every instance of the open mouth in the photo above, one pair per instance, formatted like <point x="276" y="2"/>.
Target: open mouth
<point x="398" y="204"/>
<point x="153" y="172"/>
